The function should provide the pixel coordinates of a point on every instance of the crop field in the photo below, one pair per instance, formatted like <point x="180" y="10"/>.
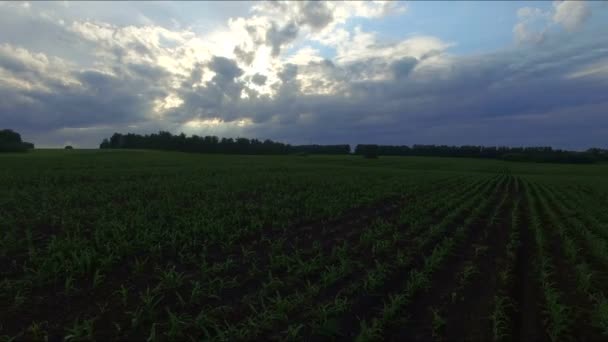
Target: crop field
<point x="142" y="245"/>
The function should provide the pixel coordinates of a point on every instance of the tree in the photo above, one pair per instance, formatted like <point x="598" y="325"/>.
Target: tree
<point x="105" y="144"/>
<point x="212" y="144"/>
<point x="10" y="141"/>
<point x="8" y="136"/>
<point x="371" y="152"/>
<point x="69" y="147"/>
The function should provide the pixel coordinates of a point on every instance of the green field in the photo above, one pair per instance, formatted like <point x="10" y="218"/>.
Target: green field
<point x="143" y="245"/>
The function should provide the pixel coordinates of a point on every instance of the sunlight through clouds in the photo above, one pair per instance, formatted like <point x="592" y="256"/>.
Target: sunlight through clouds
<point x="362" y="66"/>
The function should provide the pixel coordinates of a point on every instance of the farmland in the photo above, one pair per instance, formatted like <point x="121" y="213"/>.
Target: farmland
<point x="144" y="245"/>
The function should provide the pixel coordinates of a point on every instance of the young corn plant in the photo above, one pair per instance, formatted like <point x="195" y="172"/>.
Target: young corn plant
<point x="80" y="330"/>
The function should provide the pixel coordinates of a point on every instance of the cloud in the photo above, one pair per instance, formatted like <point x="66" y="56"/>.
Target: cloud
<point x="47" y="93"/>
<point x="244" y="56"/>
<point x="361" y="46"/>
<point x="278" y="23"/>
<point x="596" y="70"/>
<point x="401" y="68"/>
<point x="276" y="37"/>
<point x="531" y="26"/>
<point x="226" y="70"/>
<point x="305" y="55"/>
<point x="534" y="24"/>
<point x="302" y="72"/>
<point x="525" y="35"/>
<point x="570" y="14"/>
<point x="259" y="79"/>
<point x="317" y="15"/>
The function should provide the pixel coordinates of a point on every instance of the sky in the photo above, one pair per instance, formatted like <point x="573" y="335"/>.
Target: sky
<point x="387" y="72"/>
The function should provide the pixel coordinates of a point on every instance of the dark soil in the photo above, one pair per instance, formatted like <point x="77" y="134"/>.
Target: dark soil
<point x="419" y="324"/>
<point x="527" y="294"/>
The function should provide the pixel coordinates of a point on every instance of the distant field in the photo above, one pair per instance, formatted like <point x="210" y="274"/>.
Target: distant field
<point x="127" y="245"/>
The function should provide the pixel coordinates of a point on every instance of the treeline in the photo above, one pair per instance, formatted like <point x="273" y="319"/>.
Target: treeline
<point x="10" y="141"/>
<point x="212" y="144"/>
<point x="543" y="154"/>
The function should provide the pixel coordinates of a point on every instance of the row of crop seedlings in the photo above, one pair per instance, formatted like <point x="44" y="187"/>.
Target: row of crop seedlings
<point x="273" y="254"/>
<point x="211" y="317"/>
<point x="469" y="268"/>
<point x="504" y="304"/>
<point x="560" y="316"/>
<point x="376" y="276"/>
<point x="416" y="214"/>
<point x="314" y="290"/>
<point x="444" y="186"/>
<point x="170" y="280"/>
<point x="216" y="290"/>
<point x="597" y="196"/>
<point x="419" y="278"/>
<point x="295" y="267"/>
<point x="586" y="233"/>
<point x="106" y="248"/>
<point x="592" y="212"/>
<point x="586" y="229"/>
<point x="262" y="321"/>
<point x="577" y="237"/>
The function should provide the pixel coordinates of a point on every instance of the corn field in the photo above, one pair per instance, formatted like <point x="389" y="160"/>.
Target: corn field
<point x="142" y="245"/>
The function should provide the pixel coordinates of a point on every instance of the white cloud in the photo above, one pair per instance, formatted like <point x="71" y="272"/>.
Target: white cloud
<point x="529" y="12"/>
<point x="365" y="45"/>
<point x="535" y="24"/>
<point x="570" y="14"/>
<point x="531" y="26"/>
<point x="25" y="69"/>
<point x="304" y="56"/>
<point x="525" y="35"/>
<point x="594" y="70"/>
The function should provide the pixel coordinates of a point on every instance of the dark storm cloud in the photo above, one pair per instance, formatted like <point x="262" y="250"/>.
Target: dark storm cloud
<point x="289" y="72"/>
<point x="101" y="99"/>
<point x="41" y="94"/>
<point x="401" y="68"/>
<point x="224" y="82"/>
<point x="243" y="55"/>
<point x="279" y="36"/>
<point x="259" y="79"/>
<point x="315" y="14"/>
<point x="225" y="69"/>
<point x="144" y="71"/>
<point x="216" y="97"/>
<point x="13" y="64"/>
<point x="195" y="76"/>
<point x="480" y="99"/>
